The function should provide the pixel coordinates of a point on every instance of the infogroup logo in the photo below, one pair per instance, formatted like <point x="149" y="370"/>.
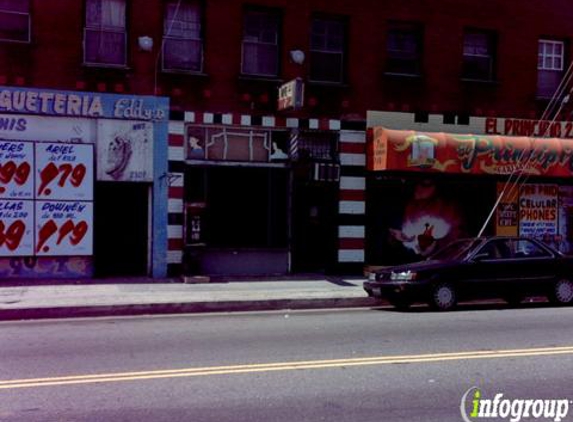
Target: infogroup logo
<point x="475" y="406"/>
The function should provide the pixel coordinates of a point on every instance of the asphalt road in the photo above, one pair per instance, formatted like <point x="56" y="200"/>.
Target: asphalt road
<point x="344" y="365"/>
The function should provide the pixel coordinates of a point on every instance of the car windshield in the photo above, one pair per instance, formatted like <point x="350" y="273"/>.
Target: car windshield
<point x="455" y="250"/>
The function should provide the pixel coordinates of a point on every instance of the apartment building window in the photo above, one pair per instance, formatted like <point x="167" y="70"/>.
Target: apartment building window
<point x="260" y="43"/>
<point x="550" y="62"/>
<point x="404" y="49"/>
<point x="15" y="20"/>
<point x="327" y="50"/>
<point x="479" y="55"/>
<point x="182" y="37"/>
<point x="105" y="38"/>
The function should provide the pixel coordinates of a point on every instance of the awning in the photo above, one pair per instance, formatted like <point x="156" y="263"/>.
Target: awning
<point x="469" y="154"/>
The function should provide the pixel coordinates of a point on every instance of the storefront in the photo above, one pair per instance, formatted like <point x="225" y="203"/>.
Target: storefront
<point x="255" y="199"/>
<point x="83" y="184"/>
<point x="425" y="189"/>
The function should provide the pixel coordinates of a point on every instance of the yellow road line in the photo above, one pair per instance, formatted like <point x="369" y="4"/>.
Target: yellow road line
<point x="281" y="366"/>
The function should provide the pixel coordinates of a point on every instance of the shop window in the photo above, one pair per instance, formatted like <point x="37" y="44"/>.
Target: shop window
<point x="15" y="20"/>
<point x="404" y="49"/>
<point x="260" y="43"/>
<point x="320" y="146"/>
<point x="550" y="59"/>
<point x="479" y="56"/>
<point x="327" y="50"/>
<point x="527" y="249"/>
<point x="235" y="144"/>
<point x="182" y="37"/>
<point x="105" y="38"/>
<point x="246" y="207"/>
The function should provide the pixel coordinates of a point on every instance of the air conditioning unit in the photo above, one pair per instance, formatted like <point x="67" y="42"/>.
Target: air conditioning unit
<point x="326" y="172"/>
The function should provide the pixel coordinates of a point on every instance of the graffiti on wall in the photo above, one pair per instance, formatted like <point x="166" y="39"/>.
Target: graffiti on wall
<point x="40" y="267"/>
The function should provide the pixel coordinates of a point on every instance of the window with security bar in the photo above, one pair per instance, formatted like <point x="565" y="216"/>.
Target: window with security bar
<point x="318" y="146"/>
<point x="15" y="20"/>
<point x="105" y="37"/>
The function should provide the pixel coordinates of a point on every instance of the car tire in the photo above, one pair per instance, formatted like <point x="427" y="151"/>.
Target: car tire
<point x="562" y="293"/>
<point x="444" y="297"/>
<point x="400" y="303"/>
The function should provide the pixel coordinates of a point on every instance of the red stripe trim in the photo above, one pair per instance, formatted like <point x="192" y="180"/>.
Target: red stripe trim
<point x="175" y="192"/>
<point x="280" y="121"/>
<point x="351" y="243"/>
<point x="175" y="244"/>
<point x="352" y="148"/>
<point x="352" y="195"/>
<point x="323" y="124"/>
<point x="176" y="140"/>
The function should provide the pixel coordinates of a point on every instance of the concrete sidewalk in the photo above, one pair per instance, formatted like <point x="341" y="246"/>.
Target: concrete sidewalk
<point x="141" y="296"/>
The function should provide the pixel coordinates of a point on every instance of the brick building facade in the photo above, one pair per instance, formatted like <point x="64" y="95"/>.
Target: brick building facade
<point x="248" y="183"/>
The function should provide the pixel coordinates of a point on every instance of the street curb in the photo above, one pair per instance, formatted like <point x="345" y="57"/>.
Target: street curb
<point x="183" y="308"/>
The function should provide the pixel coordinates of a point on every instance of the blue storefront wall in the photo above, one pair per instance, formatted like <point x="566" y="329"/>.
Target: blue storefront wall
<point x="53" y="108"/>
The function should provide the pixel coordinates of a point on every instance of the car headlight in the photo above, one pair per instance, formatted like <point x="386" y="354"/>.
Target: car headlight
<point x="372" y="277"/>
<point x="403" y="276"/>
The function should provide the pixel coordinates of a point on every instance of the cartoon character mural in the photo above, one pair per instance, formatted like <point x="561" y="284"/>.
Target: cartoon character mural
<point x="429" y="221"/>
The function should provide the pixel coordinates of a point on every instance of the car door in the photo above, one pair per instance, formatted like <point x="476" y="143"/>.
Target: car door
<point x="492" y="269"/>
<point x="534" y="266"/>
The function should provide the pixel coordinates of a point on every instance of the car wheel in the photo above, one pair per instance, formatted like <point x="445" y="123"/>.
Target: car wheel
<point x="562" y="293"/>
<point x="400" y="303"/>
<point x="443" y="297"/>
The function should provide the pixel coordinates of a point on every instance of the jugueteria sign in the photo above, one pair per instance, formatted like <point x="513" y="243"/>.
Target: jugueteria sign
<point x="475" y="154"/>
<point x="82" y="104"/>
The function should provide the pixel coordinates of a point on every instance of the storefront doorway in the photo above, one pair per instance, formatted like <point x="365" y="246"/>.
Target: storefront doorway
<point x="314" y="227"/>
<point x="121" y="229"/>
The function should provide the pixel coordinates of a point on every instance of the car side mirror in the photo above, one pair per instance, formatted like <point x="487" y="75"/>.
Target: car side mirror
<point x="481" y="256"/>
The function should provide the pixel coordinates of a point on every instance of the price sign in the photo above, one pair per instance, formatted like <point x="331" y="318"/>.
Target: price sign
<point x="16" y="228"/>
<point x="64" y="228"/>
<point x="16" y="164"/>
<point x="64" y="171"/>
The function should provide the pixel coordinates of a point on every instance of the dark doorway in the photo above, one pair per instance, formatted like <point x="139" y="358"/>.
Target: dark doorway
<point x="314" y="227"/>
<point x="121" y="229"/>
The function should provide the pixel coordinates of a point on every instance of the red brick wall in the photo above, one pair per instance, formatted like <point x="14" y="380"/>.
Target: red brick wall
<point x="54" y="57"/>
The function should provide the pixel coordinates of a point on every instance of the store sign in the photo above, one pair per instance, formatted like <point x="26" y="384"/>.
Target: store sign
<point x="525" y="127"/>
<point x="507" y="211"/>
<point x="31" y="128"/>
<point x="291" y="95"/>
<point x="52" y="213"/>
<point x="83" y="104"/>
<point x="16" y="164"/>
<point x="16" y="227"/>
<point x="472" y="154"/>
<point x="64" y="171"/>
<point x="538" y="210"/>
<point x="125" y="151"/>
<point x="64" y="228"/>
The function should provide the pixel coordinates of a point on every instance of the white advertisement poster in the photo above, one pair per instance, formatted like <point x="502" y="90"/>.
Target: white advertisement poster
<point x="64" y="228"/>
<point x="52" y="129"/>
<point x="16" y="170"/>
<point x="64" y="171"/>
<point x="16" y="227"/>
<point x="538" y="210"/>
<point x="125" y="151"/>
